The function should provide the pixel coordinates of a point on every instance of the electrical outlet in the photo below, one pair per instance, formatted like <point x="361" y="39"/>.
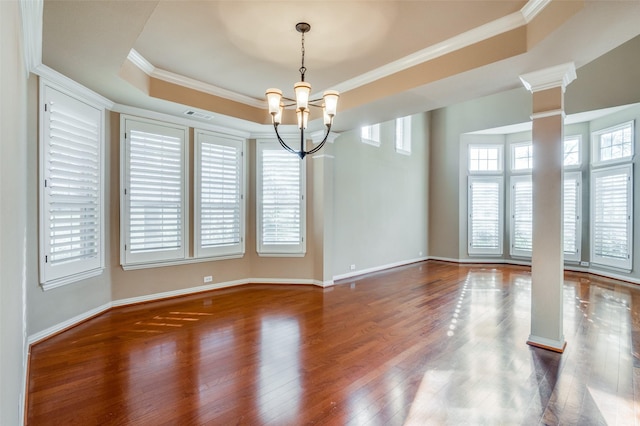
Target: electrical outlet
<point x="352" y="267"/>
<point x="584" y="263"/>
<point x="208" y="279"/>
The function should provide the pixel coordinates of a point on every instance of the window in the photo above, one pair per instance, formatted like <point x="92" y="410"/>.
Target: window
<point x="521" y="215"/>
<point x="403" y="135"/>
<point x="613" y="144"/>
<point x="371" y="134"/>
<point x="522" y="156"/>
<point x="71" y="192"/>
<point x="154" y="186"/>
<point x="611" y="216"/>
<point x="485" y="158"/>
<point x="572" y="223"/>
<point x="280" y="201"/>
<point x="219" y="200"/>
<point x="485" y="215"/>
<point x="572" y="151"/>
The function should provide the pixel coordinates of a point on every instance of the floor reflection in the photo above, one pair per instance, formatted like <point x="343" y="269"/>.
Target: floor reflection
<point x="279" y="384"/>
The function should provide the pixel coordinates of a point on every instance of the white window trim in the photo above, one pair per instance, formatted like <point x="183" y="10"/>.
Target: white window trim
<point x="280" y="250"/>
<point x="96" y="268"/>
<point x="500" y="169"/>
<point x="513" y="147"/>
<point x="515" y="252"/>
<point x="151" y="259"/>
<point x="236" y="250"/>
<point x="492" y="252"/>
<point x="573" y="166"/>
<point x="403" y="146"/>
<point x="595" y="145"/>
<point x="575" y="256"/>
<point x="624" y="265"/>
<point x="373" y="135"/>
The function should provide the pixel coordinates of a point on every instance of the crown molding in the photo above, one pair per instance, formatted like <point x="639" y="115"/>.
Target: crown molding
<point x="148" y="68"/>
<point x="507" y="23"/>
<point x="31" y="17"/>
<point x="549" y="78"/>
<point x="65" y="82"/>
<point x="183" y="121"/>
<point x="316" y="137"/>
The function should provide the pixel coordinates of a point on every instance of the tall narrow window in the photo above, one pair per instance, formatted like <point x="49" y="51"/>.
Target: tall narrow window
<point x="154" y="217"/>
<point x="611" y="216"/>
<point x="280" y="201"/>
<point x="403" y="135"/>
<point x="521" y="215"/>
<point x="71" y="208"/>
<point x="572" y="223"/>
<point x="219" y="201"/>
<point x="371" y="134"/>
<point x="485" y="215"/>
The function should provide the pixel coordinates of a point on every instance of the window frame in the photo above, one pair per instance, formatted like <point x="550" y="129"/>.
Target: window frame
<point x="596" y="149"/>
<point x="68" y="272"/>
<point x="403" y="135"/>
<point x="279" y="250"/>
<point x="159" y="257"/>
<point x="607" y="262"/>
<point x="564" y="152"/>
<point x="500" y="160"/>
<point x="577" y="255"/>
<point x="230" y="251"/>
<point x="513" y="147"/>
<point x="514" y="180"/>
<point x="498" y="251"/>
<point x="370" y="134"/>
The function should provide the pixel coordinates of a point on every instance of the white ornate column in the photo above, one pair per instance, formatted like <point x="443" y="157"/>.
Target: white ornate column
<point x="547" y="263"/>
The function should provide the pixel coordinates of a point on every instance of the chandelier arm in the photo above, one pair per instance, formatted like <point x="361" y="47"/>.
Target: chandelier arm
<point x="283" y="143"/>
<point x="319" y="147"/>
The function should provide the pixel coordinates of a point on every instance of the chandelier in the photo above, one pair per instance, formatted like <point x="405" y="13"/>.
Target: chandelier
<point x="328" y="103"/>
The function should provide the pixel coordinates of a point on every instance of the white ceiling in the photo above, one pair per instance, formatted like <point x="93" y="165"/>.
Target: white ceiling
<point x="244" y="47"/>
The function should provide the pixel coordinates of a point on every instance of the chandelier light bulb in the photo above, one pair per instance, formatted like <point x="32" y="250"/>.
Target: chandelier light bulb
<point x="303" y="91"/>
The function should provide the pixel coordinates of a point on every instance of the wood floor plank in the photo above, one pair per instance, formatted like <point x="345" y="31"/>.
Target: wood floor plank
<point x="429" y="343"/>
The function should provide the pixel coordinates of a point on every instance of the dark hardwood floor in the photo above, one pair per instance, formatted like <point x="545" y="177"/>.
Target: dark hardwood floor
<point x="429" y="343"/>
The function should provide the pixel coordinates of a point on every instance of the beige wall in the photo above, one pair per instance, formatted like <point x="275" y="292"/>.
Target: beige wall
<point x="13" y="209"/>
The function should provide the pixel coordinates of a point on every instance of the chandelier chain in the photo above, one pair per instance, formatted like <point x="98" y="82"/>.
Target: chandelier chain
<point x="302" y="69"/>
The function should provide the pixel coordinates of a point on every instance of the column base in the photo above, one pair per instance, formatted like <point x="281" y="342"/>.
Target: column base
<point x="548" y="344"/>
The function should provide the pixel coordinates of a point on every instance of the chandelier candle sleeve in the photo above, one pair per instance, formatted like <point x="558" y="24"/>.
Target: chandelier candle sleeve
<point x="302" y="103"/>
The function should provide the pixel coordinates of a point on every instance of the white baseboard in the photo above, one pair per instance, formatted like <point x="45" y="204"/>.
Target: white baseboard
<point x="41" y="335"/>
<point x="378" y="268"/>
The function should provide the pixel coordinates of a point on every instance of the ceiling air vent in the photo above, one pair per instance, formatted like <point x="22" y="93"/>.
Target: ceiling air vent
<point x="197" y="114"/>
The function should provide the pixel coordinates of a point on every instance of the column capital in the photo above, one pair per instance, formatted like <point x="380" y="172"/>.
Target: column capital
<point x="549" y="78"/>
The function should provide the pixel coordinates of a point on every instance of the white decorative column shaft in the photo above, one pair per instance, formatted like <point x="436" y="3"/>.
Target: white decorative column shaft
<point x="547" y="262"/>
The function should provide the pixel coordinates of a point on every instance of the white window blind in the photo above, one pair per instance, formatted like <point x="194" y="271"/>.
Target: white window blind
<point x="521" y="215"/>
<point x="281" y="212"/>
<point x="485" y="215"/>
<point x="403" y="135"/>
<point x="572" y="223"/>
<point x="219" y="226"/>
<point x="71" y="194"/>
<point x="155" y="186"/>
<point x="611" y="216"/>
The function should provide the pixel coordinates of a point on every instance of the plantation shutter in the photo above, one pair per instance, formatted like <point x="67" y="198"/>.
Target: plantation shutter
<point x="485" y="217"/>
<point x="281" y="201"/>
<point x="521" y="215"/>
<point x="219" y="171"/>
<point x="571" y="216"/>
<point x="611" y="216"/>
<point x="72" y="187"/>
<point x="155" y="192"/>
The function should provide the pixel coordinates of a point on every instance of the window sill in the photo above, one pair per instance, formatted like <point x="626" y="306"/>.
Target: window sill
<point x="147" y="265"/>
<point x="49" y="285"/>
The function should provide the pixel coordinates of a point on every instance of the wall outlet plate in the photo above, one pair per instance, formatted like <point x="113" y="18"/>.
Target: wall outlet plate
<point x="208" y="279"/>
<point x="352" y="267"/>
<point x="584" y="263"/>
